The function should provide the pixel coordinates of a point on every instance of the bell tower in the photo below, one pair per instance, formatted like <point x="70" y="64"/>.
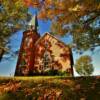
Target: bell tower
<point x="25" y="63"/>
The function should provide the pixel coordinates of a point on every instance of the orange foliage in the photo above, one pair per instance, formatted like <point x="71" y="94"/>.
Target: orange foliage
<point x="28" y="2"/>
<point x="48" y="2"/>
<point x="42" y="14"/>
<point x="31" y="3"/>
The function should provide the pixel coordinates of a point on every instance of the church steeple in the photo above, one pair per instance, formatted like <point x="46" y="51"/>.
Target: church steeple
<point x="25" y="61"/>
<point x="33" y="24"/>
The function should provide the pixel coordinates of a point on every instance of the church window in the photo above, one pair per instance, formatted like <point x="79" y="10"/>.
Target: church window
<point x="28" y="41"/>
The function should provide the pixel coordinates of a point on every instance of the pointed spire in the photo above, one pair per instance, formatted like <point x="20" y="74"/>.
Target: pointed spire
<point x="33" y="24"/>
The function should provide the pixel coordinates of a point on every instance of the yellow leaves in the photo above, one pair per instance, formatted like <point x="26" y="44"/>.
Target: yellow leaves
<point x="52" y="88"/>
<point x="12" y="13"/>
<point x="56" y="28"/>
<point x="61" y="5"/>
<point x="48" y="2"/>
<point x="76" y="8"/>
<point x="83" y="98"/>
<point x="10" y="86"/>
<point x="19" y="3"/>
<point x="50" y="14"/>
<point x="68" y="82"/>
<point x="17" y="26"/>
<point x="98" y="6"/>
<point x="43" y="14"/>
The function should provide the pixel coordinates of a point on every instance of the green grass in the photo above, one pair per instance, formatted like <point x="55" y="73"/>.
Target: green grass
<point x="50" y="88"/>
<point x="33" y="77"/>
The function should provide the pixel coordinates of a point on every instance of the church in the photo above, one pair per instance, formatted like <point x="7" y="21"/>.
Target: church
<point x="43" y="55"/>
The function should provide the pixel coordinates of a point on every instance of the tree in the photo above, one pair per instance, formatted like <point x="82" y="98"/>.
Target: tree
<point x="80" y="18"/>
<point x="84" y="66"/>
<point x="13" y="16"/>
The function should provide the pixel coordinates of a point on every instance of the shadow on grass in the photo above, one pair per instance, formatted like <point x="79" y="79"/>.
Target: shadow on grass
<point x="50" y="88"/>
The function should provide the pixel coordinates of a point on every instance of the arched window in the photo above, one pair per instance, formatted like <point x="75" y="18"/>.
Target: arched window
<point x="46" y="58"/>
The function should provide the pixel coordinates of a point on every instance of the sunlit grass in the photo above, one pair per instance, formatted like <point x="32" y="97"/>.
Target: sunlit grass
<point x="33" y="77"/>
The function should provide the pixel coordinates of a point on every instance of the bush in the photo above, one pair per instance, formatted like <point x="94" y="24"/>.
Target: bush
<point x="62" y="73"/>
<point x="57" y="72"/>
<point x="52" y="72"/>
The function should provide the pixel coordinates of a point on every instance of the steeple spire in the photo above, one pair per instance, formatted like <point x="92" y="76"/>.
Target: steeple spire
<point x="33" y="24"/>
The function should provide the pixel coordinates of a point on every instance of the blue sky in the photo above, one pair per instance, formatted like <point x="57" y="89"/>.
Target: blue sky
<point x="7" y="67"/>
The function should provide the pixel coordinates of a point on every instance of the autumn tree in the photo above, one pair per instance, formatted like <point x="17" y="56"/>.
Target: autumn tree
<point x="80" y="18"/>
<point x="13" y="17"/>
<point x="84" y="65"/>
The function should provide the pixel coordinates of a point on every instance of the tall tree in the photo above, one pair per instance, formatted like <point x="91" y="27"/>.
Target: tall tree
<point x="13" y="16"/>
<point x="80" y="18"/>
<point x="84" y="65"/>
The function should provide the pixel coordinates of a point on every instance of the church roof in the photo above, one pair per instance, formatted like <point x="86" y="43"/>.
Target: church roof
<point x="47" y="33"/>
<point x="34" y="22"/>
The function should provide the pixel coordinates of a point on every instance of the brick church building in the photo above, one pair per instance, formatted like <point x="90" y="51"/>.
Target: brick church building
<point x="40" y="55"/>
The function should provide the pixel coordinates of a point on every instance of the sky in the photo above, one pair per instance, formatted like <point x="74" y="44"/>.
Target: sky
<point x="7" y="67"/>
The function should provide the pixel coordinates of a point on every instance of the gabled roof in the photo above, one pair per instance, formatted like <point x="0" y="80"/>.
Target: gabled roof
<point x="47" y="33"/>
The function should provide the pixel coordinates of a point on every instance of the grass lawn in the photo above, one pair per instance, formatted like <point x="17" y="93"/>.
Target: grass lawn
<point x="50" y="88"/>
